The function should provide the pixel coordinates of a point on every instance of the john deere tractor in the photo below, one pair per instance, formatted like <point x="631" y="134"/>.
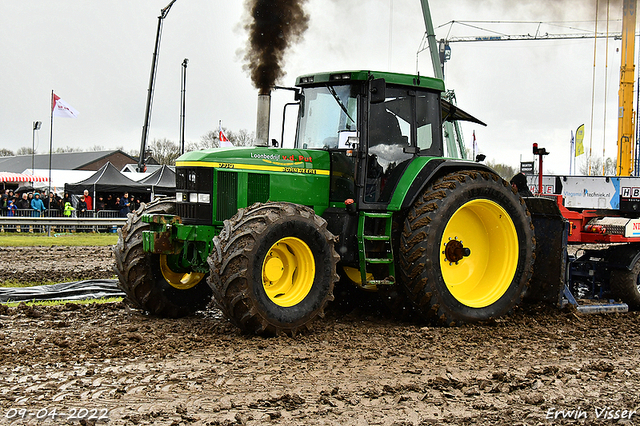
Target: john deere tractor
<point x="370" y="196"/>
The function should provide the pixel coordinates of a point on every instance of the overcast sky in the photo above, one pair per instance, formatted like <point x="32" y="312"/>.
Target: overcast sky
<point x="96" y="55"/>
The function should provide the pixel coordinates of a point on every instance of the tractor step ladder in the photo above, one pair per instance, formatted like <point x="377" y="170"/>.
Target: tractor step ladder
<point x="364" y="240"/>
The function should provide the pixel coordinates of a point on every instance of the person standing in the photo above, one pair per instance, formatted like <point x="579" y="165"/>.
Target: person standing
<point x="88" y="200"/>
<point x="23" y="207"/>
<point x="100" y="204"/>
<point x="124" y="205"/>
<point x="82" y="206"/>
<point x="68" y="209"/>
<point x="52" y="203"/>
<point x="3" y="204"/>
<point x="37" y="207"/>
<point x="11" y="208"/>
<point x="11" y="212"/>
<point x="110" y="204"/>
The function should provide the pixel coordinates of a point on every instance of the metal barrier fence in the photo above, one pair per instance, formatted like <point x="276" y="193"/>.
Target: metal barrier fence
<point x="60" y="213"/>
<point x="34" y="221"/>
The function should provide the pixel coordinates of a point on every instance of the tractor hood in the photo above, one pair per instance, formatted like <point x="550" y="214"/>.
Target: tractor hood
<point x="243" y="176"/>
<point x="260" y="159"/>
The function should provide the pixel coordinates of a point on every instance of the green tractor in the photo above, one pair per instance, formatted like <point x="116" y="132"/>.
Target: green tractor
<point x="370" y="196"/>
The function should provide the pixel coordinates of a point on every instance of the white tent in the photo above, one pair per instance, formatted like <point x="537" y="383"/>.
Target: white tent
<point x="59" y="178"/>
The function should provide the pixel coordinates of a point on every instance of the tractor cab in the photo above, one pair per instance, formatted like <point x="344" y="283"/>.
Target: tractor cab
<point x="373" y="125"/>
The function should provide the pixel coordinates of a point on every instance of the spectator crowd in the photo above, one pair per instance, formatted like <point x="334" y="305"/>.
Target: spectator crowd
<point x="32" y="203"/>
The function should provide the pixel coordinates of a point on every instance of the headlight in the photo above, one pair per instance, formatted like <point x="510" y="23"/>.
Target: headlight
<point x="204" y="198"/>
<point x="343" y="76"/>
<point x="178" y="197"/>
<point x="193" y="197"/>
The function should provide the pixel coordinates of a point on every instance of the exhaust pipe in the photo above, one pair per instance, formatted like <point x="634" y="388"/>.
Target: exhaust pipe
<point x="262" y="125"/>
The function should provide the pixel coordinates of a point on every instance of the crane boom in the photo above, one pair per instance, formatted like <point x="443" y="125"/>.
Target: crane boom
<point x="152" y="81"/>
<point x="546" y="36"/>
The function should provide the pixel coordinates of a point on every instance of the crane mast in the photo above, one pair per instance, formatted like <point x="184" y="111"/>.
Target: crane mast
<point x="625" y="94"/>
<point x="152" y="82"/>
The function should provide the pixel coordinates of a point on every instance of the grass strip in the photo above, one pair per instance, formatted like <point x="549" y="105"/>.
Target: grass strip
<point x="8" y="239"/>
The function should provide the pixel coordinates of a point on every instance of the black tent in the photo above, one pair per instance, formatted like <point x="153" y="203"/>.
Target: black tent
<point x="162" y="181"/>
<point x="107" y="180"/>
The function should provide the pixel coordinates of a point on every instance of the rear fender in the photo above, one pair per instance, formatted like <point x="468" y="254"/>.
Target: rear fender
<point x="549" y="270"/>
<point x="421" y="172"/>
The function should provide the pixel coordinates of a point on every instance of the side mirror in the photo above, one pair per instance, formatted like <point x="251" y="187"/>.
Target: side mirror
<point x="377" y="90"/>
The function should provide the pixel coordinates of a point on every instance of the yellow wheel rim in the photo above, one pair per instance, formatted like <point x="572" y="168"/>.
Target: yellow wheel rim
<point x="479" y="253"/>
<point x="179" y="280"/>
<point x="288" y="271"/>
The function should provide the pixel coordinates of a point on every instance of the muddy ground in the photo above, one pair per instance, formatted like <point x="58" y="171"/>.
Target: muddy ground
<point x="355" y="367"/>
<point x="55" y="264"/>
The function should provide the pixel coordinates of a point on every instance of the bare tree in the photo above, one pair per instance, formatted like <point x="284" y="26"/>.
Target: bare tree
<point x="505" y="171"/>
<point x="131" y="152"/>
<point x="593" y="166"/>
<point x="210" y="139"/>
<point x="6" y="153"/>
<point x="242" y="137"/>
<point x="165" y="151"/>
<point x="67" y="149"/>
<point x="24" y="151"/>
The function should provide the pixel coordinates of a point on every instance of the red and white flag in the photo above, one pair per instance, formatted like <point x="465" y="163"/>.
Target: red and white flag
<point x="62" y="109"/>
<point x="224" y="141"/>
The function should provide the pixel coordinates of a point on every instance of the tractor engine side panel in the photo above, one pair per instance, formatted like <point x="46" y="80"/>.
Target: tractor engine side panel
<point x="213" y="185"/>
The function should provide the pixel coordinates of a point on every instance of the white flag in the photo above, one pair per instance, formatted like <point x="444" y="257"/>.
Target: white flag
<point x="63" y="109"/>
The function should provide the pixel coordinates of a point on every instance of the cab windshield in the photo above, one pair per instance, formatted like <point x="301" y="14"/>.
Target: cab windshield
<point x="328" y="117"/>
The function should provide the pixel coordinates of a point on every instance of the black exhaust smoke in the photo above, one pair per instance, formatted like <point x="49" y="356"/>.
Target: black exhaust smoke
<point x="273" y="27"/>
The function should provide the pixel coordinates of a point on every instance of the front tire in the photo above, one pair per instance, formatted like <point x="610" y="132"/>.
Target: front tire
<point x="149" y="280"/>
<point x="466" y="251"/>
<point x="273" y="268"/>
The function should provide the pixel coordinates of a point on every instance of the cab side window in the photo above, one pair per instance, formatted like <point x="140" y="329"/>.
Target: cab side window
<point x="389" y="133"/>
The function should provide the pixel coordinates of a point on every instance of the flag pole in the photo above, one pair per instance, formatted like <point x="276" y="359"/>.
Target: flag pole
<point x="571" y="154"/>
<point x="50" y="152"/>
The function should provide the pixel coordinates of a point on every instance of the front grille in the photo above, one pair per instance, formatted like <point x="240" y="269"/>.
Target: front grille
<point x="257" y="189"/>
<point x="226" y="195"/>
<point x="194" y="180"/>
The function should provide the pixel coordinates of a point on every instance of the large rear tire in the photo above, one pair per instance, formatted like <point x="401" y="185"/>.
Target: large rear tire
<point x="149" y="280"/>
<point x="273" y="268"/>
<point x="466" y="251"/>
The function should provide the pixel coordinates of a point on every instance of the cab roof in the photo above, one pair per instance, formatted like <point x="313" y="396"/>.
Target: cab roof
<point x="364" y="75"/>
